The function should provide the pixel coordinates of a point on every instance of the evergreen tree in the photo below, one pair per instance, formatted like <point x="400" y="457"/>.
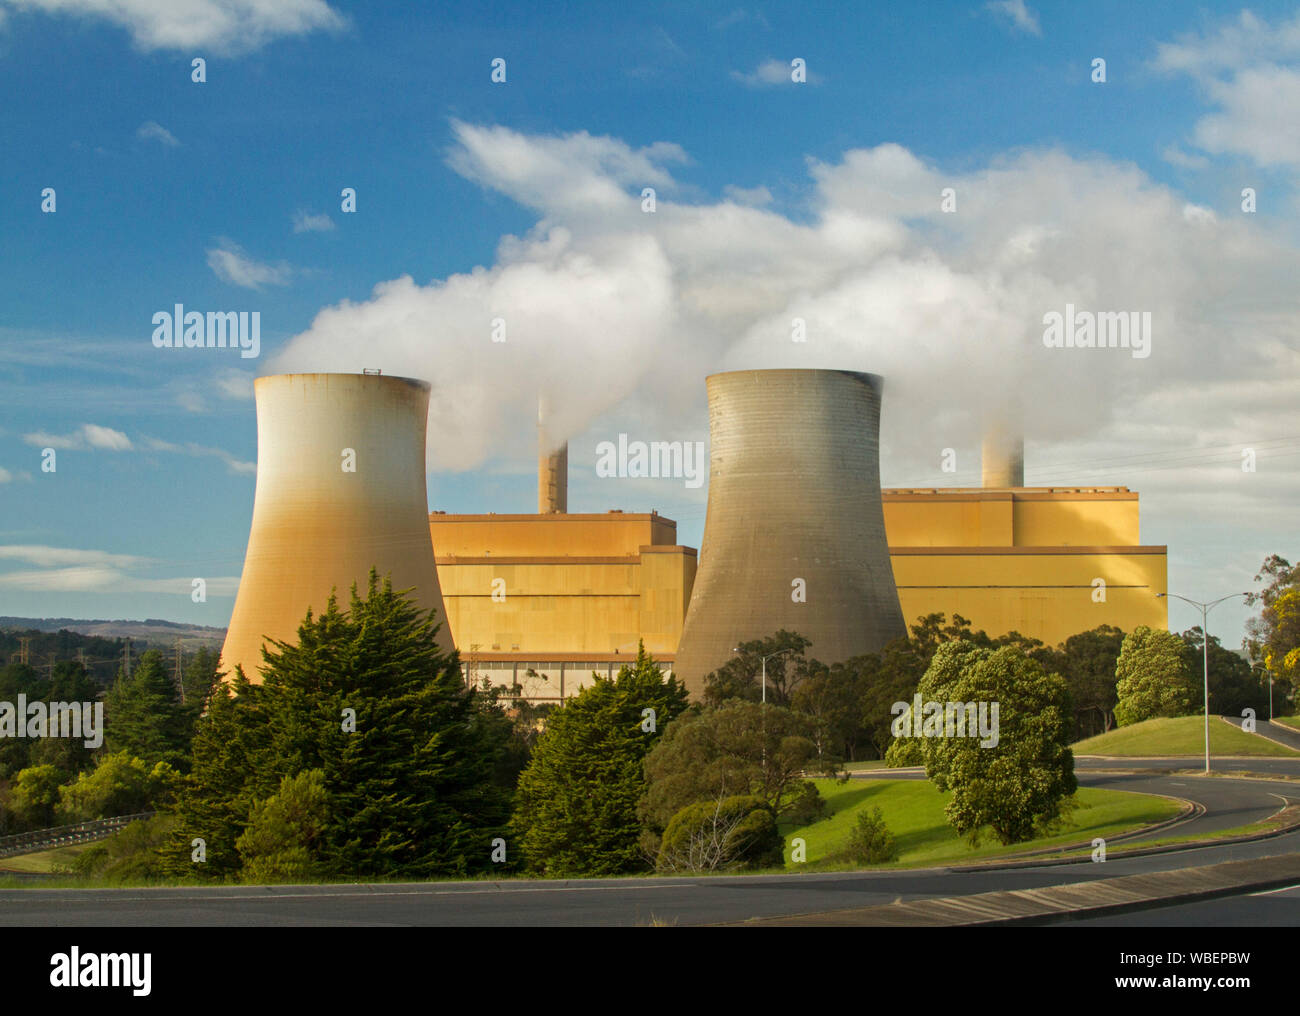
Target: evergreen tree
<point x="144" y="717"/>
<point x="576" y="805"/>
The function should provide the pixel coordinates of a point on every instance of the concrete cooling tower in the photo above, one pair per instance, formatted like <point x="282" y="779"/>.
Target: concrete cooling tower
<point x="795" y="532"/>
<point x="340" y="487"/>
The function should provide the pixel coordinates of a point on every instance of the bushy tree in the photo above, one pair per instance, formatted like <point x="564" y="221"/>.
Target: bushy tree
<point x="1234" y="684"/>
<point x="1153" y="679"/>
<point x="741" y="677"/>
<point x="1274" y="637"/>
<point x="737" y="749"/>
<point x="283" y="837"/>
<point x="1087" y="662"/>
<point x="1020" y="783"/>
<point x="721" y="835"/>
<point x="576" y="803"/>
<point x="34" y="796"/>
<point x="118" y="785"/>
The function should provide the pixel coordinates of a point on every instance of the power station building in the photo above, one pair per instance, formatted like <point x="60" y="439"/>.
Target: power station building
<point x="575" y="592"/>
<point x="543" y="601"/>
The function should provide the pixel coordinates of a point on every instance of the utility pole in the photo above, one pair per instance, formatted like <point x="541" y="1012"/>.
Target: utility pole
<point x="81" y="658"/>
<point x="23" y="643"/>
<point x="127" y="650"/>
<point x="50" y="666"/>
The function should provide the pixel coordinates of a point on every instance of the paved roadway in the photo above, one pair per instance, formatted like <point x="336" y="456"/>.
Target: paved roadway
<point x="1276" y="908"/>
<point x="641" y="901"/>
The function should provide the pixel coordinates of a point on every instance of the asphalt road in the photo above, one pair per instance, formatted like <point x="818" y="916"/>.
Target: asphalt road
<point x="1277" y="908"/>
<point x="641" y="901"/>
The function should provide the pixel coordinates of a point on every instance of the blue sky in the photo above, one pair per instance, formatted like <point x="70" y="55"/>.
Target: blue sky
<point x="226" y="195"/>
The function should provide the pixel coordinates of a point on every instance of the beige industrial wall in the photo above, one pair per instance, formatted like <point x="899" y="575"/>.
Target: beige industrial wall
<point x="579" y="587"/>
<point x="563" y="584"/>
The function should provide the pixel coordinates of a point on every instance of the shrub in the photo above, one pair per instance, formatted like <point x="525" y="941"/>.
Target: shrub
<point x="871" y="842"/>
<point x="718" y="835"/>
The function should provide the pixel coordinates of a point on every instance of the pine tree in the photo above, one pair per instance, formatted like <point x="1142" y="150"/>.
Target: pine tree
<point x="143" y="715"/>
<point x="576" y="804"/>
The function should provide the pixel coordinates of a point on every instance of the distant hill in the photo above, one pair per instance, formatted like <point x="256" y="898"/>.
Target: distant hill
<point x="101" y="645"/>
<point x="155" y="631"/>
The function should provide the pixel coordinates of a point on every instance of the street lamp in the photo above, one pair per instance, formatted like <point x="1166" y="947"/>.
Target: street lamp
<point x="1205" y="650"/>
<point x="788" y="649"/>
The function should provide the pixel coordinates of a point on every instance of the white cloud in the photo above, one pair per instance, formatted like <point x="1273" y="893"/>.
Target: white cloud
<point x="773" y="72"/>
<point x="756" y="196"/>
<point x="613" y="311"/>
<point x="306" y="222"/>
<point x="151" y="131"/>
<point x="1250" y="71"/>
<point x="234" y="465"/>
<point x="190" y="401"/>
<point x="52" y="557"/>
<point x="1175" y="156"/>
<point x="5" y="475"/>
<point x="235" y="384"/>
<point x="89" y="435"/>
<point x="230" y="264"/>
<point x="1021" y="18"/>
<point x="224" y="27"/>
<point x="578" y="173"/>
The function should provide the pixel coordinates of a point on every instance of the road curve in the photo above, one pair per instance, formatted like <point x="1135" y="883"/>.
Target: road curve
<point x="633" y="901"/>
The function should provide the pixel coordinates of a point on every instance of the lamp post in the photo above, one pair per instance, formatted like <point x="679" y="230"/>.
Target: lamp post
<point x="1205" y="651"/>
<point x="789" y="649"/>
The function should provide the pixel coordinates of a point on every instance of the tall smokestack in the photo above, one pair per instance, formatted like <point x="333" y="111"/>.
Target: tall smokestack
<point x="794" y="538"/>
<point x="1002" y="457"/>
<point x="340" y="488"/>
<point x="552" y="468"/>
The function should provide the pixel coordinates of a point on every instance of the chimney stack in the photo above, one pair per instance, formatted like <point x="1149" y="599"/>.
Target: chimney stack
<point x="1002" y="457"/>
<point x="552" y="468"/>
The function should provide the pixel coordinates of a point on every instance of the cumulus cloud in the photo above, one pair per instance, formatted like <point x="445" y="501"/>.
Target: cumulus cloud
<point x="230" y="264"/>
<point x="307" y="222"/>
<point x="5" y="475"/>
<point x="89" y="435"/>
<point x="1250" y="70"/>
<point x="225" y="27"/>
<point x="151" y="131"/>
<point x="1020" y="17"/>
<point x="608" y="309"/>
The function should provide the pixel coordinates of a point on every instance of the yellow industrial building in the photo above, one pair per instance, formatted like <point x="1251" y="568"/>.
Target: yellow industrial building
<point x="544" y="600"/>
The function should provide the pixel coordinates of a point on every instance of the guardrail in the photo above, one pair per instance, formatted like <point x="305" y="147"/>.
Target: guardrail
<point x="59" y="836"/>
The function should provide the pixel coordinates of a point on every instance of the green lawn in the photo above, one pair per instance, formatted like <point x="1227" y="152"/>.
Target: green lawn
<point x="44" y="860"/>
<point x="1182" y="735"/>
<point x="1290" y="721"/>
<point x="913" y="810"/>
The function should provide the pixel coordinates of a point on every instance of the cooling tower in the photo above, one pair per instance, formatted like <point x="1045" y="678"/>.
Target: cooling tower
<point x="340" y="487"/>
<point x="795" y="532"/>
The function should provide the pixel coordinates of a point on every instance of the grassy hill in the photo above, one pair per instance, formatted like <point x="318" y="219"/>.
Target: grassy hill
<point x="1182" y="735"/>
<point x="913" y="810"/>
